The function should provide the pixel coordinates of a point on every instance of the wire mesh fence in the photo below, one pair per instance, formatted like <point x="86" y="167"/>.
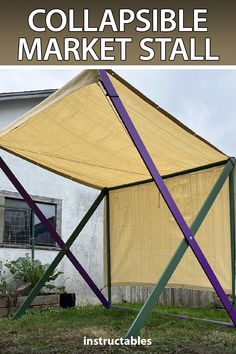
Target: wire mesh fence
<point x="20" y="227"/>
<point x="17" y="226"/>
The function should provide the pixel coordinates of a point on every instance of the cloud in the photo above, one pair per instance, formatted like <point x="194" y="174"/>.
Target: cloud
<point x="202" y="99"/>
<point x="26" y="79"/>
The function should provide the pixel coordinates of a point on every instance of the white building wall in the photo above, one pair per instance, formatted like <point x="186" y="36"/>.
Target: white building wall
<point x="76" y="199"/>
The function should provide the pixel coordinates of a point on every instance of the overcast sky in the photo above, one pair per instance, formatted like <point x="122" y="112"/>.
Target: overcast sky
<point x="202" y="99"/>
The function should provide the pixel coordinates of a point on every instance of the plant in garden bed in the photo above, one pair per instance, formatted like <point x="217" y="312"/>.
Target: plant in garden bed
<point x="30" y="271"/>
<point x="3" y="283"/>
<point x="7" y="296"/>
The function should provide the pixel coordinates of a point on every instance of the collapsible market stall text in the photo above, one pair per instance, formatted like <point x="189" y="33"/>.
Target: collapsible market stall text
<point x="157" y="175"/>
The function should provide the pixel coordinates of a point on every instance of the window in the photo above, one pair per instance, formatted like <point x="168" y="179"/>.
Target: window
<point x="21" y="226"/>
<point x="42" y="236"/>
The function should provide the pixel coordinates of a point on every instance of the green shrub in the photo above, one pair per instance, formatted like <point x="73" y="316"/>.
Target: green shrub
<point x="30" y="271"/>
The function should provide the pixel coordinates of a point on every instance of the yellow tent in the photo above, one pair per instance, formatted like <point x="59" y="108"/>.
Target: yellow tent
<point x="77" y="133"/>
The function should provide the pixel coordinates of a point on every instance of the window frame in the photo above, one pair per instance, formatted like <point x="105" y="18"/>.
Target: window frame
<point x="38" y="199"/>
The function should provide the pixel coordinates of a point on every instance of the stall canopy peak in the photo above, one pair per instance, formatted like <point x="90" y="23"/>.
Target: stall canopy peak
<point x="77" y="133"/>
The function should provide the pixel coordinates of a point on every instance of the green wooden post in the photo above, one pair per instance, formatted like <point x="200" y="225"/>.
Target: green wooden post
<point x="32" y="235"/>
<point x="232" y="230"/>
<point x="163" y="280"/>
<point x="35" y="291"/>
<point x="108" y="245"/>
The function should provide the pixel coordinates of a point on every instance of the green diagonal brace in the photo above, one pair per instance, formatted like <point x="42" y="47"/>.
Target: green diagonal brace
<point x="108" y="247"/>
<point x="35" y="291"/>
<point x="162" y="282"/>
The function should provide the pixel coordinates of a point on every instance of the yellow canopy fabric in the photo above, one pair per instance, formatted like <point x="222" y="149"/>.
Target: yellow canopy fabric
<point x="77" y="134"/>
<point x="144" y="235"/>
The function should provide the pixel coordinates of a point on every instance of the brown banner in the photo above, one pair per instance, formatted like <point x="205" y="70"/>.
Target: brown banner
<point x="136" y="32"/>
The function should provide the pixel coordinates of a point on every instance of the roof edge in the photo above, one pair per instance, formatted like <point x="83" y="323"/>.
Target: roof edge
<point x="21" y="95"/>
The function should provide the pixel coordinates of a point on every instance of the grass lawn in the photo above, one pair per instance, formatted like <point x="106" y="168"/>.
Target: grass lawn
<point x="63" y="331"/>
